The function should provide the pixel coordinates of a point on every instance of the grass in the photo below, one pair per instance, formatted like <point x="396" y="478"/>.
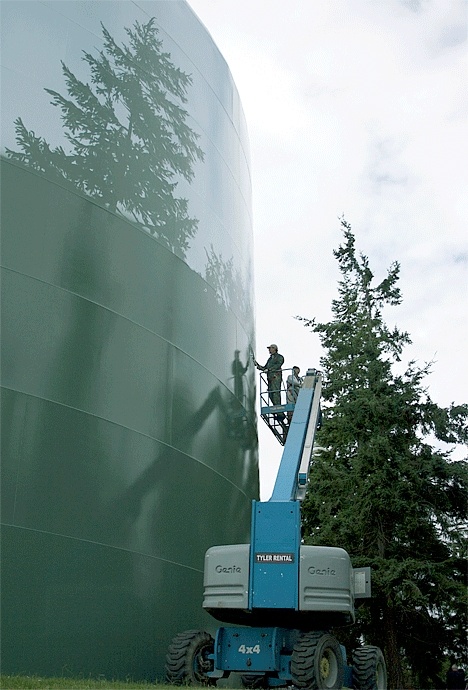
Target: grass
<point x="36" y="682"/>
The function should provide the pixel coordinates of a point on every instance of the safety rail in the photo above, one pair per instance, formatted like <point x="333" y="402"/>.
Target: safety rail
<point x="277" y="416"/>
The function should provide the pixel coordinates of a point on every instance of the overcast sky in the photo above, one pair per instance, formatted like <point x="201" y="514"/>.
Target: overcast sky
<point x="354" y="107"/>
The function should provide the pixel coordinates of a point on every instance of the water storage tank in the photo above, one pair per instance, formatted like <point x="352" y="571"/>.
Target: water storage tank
<point x="129" y="440"/>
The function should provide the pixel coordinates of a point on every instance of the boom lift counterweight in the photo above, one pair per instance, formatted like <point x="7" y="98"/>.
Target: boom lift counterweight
<point x="279" y="597"/>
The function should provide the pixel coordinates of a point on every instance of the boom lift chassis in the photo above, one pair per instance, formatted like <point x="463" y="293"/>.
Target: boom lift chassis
<point x="278" y="597"/>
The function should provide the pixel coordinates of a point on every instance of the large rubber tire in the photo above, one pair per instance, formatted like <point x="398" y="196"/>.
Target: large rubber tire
<point x="317" y="662"/>
<point x="369" y="669"/>
<point x="186" y="659"/>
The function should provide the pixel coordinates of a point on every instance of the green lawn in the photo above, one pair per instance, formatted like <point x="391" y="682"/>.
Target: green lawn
<point x="35" y="682"/>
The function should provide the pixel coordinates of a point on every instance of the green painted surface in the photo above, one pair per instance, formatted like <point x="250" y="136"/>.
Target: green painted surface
<point x="128" y="426"/>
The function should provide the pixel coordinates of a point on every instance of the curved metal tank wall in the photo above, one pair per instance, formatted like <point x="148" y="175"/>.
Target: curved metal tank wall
<point x="129" y="430"/>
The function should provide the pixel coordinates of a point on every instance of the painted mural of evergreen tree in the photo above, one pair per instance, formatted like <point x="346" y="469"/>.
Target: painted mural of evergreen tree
<point x="381" y="487"/>
<point x="129" y="141"/>
<point x="230" y="287"/>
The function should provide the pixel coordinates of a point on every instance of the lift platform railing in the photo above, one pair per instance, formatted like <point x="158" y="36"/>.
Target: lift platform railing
<point x="278" y="417"/>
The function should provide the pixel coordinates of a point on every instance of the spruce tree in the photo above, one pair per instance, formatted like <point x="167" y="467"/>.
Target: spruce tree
<point x="128" y="142"/>
<point x="380" y="486"/>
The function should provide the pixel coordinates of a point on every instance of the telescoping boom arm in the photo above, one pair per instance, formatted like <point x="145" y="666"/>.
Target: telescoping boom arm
<point x="291" y="481"/>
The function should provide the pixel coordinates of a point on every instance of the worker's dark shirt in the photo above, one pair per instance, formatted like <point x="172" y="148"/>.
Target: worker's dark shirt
<point x="274" y="363"/>
<point x="455" y="680"/>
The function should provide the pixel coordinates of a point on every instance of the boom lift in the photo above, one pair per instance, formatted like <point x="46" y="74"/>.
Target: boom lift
<point x="280" y="598"/>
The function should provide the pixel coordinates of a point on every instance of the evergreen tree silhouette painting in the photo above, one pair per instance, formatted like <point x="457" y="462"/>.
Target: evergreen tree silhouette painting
<point x="128" y="138"/>
<point x="227" y="283"/>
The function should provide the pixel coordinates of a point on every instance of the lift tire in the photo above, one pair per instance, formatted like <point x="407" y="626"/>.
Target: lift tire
<point x="317" y="662"/>
<point x="369" y="669"/>
<point x="250" y="680"/>
<point x="187" y="660"/>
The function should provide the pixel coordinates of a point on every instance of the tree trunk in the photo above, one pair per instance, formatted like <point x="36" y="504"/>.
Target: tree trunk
<point x="391" y="648"/>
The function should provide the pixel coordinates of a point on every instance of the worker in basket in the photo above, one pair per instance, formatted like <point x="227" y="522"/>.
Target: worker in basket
<point x="293" y="384"/>
<point x="274" y="376"/>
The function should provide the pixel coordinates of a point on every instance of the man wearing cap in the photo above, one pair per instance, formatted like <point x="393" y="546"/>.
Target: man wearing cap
<point x="293" y="383"/>
<point x="273" y="370"/>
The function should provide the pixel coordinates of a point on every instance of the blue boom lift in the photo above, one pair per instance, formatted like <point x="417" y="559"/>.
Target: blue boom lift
<point x="280" y="598"/>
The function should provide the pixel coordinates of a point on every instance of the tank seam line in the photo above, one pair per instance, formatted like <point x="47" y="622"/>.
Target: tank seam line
<point x="99" y="543"/>
<point x="113" y="311"/>
<point x="121" y="316"/>
<point x="123" y="426"/>
<point x="128" y="223"/>
<point x="209" y="86"/>
<point x="76" y="192"/>
<point x="174" y="40"/>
